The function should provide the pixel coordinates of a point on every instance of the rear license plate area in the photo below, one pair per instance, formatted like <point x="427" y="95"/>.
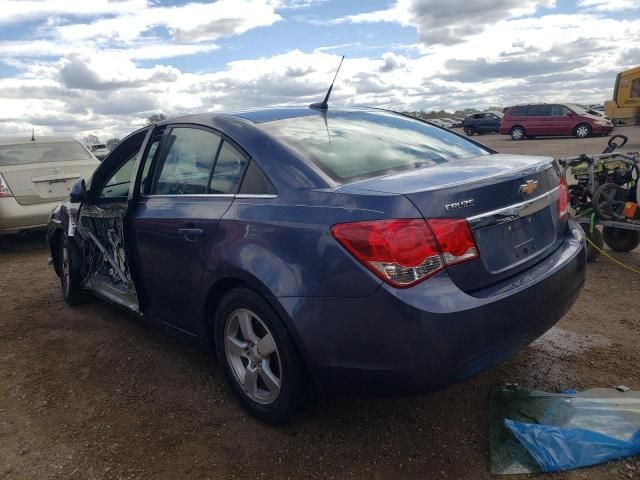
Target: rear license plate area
<point x="52" y="189"/>
<point x="56" y="188"/>
<point x="520" y="236"/>
<point x="508" y="244"/>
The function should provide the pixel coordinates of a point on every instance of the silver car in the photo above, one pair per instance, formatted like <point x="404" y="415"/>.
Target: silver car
<point x="35" y="175"/>
<point x="100" y="150"/>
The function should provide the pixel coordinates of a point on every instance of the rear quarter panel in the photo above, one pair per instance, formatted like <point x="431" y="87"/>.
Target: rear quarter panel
<point x="285" y="243"/>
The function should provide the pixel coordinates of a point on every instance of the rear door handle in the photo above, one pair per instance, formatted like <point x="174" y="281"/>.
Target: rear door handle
<point x="191" y="234"/>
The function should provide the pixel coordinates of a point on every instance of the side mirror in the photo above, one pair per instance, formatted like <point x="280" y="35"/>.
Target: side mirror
<point x="78" y="192"/>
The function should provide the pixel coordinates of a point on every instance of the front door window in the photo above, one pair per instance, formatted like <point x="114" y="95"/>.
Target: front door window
<point x="118" y="184"/>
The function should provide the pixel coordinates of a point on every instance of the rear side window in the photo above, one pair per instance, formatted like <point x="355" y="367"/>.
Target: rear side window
<point x="350" y="146"/>
<point x="186" y="162"/>
<point x="559" y="110"/>
<point x="539" y="110"/>
<point x="42" y="153"/>
<point x="518" y="111"/>
<point x="255" y="182"/>
<point x="227" y="174"/>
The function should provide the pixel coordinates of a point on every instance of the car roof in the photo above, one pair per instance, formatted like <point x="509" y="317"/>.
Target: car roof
<point x="541" y="103"/>
<point x="261" y="115"/>
<point x="4" y="141"/>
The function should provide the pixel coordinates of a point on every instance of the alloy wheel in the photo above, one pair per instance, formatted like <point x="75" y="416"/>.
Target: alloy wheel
<point x="517" y="134"/>
<point x="582" y="131"/>
<point x="252" y="355"/>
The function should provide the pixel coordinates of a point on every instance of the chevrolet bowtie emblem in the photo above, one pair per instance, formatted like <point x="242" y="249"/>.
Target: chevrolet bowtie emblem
<point x="529" y="187"/>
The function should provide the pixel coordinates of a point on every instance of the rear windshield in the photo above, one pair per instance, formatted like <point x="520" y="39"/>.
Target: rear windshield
<point x="353" y="146"/>
<point x="42" y="153"/>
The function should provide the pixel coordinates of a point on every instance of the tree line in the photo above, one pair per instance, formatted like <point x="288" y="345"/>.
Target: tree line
<point x="92" y="139"/>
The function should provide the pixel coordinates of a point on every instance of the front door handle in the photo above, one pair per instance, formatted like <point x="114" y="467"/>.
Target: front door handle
<point x="191" y="234"/>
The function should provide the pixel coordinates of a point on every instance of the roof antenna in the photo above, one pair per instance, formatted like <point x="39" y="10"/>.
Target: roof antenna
<point x="33" y="134"/>
<point x="324" y="105"/>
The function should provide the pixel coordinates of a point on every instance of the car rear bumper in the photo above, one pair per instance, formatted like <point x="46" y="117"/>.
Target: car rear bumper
<point x="426" y="337"/>
<point x="16" y="218"/>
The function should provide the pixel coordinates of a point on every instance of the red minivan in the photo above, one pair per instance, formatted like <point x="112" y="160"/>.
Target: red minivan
<point x="543" y="119"/>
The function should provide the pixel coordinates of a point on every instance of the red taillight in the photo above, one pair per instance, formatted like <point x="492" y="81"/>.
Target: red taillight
<point x="406" y="251"/>
<point x="456" y="241"/>
<point x="563" y="199"/>
<point x="4" y="188"/>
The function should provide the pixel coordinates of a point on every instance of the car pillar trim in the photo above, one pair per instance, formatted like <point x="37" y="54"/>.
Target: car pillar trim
<point x="210" y="195"/>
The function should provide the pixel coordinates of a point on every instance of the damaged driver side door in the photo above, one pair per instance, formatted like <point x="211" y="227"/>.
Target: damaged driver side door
<point x="103" y="223"/>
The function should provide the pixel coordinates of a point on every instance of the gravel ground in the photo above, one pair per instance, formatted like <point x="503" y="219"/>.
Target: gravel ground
<point x="91" y="392"/>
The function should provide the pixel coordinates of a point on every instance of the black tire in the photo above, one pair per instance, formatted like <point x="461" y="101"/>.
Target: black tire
<point x="621" y="240"/>
<point x="582" y="130"/>
<point x="294" y="391"/>
<point x="70" y="259"/>
<point x="517" y="133"/>
<point x="595" y="237"/>
<point x="609" y="200"/>
<point x="469" y="131"/>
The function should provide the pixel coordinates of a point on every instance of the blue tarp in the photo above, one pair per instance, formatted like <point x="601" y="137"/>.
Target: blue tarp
<point x="533" y="431"/>
<point x="560" y="448"/>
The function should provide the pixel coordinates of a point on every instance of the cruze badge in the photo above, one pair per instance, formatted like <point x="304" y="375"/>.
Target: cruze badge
<point x="460" y="204"/>
<point x="529" y="187"/>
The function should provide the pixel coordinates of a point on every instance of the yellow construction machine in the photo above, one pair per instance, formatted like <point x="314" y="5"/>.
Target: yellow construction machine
<point x="625" y="106"/>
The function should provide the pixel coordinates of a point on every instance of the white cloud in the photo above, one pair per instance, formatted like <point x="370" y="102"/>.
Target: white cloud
<point x="18" y="10"/>
<point x="127" y="29"/>
<point x="191" y="22"/>
<point x="448" y="22"/>
<point x="84" y="75"/>
<point x="609" y="5"/>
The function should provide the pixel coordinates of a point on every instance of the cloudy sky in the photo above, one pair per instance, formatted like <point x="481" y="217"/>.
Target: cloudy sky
<point x="102" y="66"/>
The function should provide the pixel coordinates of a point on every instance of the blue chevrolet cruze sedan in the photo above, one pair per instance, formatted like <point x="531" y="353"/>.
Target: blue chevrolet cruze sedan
<point x="325" y="251"/>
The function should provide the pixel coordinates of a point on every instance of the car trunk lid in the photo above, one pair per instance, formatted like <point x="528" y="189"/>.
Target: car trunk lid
<point x="45" y="182"/>
<point x="43" y="170"/>
<point x="510" y="202"/>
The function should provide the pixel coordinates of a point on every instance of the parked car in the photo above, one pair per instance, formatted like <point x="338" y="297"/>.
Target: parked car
<point x="100" y="150"/>
<point x="35" y="175"/>
<point x="439" y="122"/>
<point x="455" y="123"/>
<point x="339" y="250"/>
<point x="480" y="123"/>
<point x="547" y="119"/>
<point x="595" y="112"/>
<point x="448" y="122"/>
